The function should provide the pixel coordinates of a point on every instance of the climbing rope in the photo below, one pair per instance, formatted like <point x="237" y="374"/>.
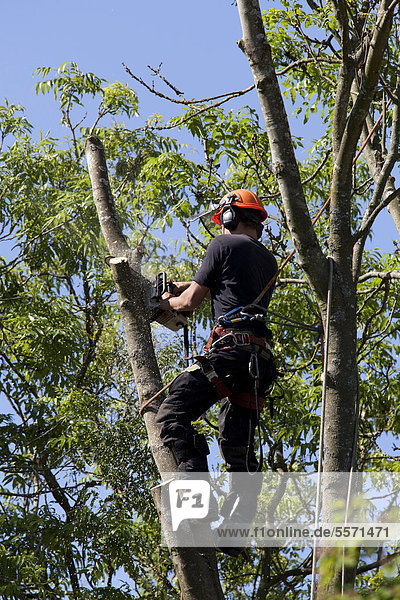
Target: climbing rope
<point x="322" y="421"/>
<point x="146" y="404"/>
<point x="289" y="322"/>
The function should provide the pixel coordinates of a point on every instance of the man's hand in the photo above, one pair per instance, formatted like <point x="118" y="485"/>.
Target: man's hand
<point x="180" y="286"/>
<point x="167" y="295"/>
<point x="187" y="299"/>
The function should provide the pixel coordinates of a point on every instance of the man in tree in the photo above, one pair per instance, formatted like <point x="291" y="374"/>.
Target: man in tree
<point x="238" y="364"/>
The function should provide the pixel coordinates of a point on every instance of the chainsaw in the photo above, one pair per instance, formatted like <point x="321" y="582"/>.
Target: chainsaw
<point x="172" y="319"/>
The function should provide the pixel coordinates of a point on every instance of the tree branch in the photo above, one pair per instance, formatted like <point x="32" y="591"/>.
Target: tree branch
<point x="340" y="239"/>
<point x="305" y="61"/>
<point x="258" y="52"/>
<point x="198" y="111"/>
<point x="190" y="103"/>
<point x="378" y="563"/>
<point x="376" y="49"/>
<point x="376" y="205"/>
<point x="363" y="231"/>
<point x="379" y="275"/>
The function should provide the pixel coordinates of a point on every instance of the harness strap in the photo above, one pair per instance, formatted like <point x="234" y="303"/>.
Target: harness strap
<point x="244" y="399"/>
<point x="220" y="336"/>
<point x="222" y="389"/>
<point x="247" y="400"/>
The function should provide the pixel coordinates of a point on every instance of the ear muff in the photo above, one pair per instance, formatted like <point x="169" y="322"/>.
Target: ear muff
<point x="229" y="218"/>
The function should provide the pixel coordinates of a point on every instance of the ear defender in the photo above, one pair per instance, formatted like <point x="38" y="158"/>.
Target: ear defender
<point x="229" y="218"/>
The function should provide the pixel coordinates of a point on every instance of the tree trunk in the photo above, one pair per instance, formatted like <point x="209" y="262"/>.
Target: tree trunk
<point x="196" y="568"/>
<point x="255" y="46"/>
<point x="342" y="377"/>
<point x="342" y="380"/>
<point x="375" y="162"/>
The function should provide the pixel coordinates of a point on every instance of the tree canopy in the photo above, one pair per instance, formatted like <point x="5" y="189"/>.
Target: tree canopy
<point x="77" y="518"/>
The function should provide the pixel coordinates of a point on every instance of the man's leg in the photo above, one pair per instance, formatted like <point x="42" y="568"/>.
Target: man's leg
<point x="236" y="437"/>
<point x="190" y="396"/>
<point x="237" y="427"/>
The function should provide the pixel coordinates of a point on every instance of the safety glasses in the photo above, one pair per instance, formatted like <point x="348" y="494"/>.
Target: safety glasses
<point x="215" y="204"/>
<point x="225" y="201"/>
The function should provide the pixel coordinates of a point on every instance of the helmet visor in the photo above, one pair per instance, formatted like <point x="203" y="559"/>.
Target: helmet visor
<point x="215" y="204"/>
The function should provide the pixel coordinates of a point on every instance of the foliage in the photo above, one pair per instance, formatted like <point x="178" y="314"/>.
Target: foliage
<point x="77" y="517"/>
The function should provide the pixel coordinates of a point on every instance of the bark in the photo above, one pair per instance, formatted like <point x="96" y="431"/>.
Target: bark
<point x="368" y="80"/>
<point x="196" y="569"/>
<point x="394" y="206"/>
<point x="342" y="368"/>
<point x="342" y="379"/>
<point x="345" y="78"/>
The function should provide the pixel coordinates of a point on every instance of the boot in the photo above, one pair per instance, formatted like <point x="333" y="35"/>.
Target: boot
<point x="191" y="456"/>
<point x="239" y="508"/>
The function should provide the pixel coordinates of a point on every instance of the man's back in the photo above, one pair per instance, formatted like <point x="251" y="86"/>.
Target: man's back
<point x="236" y="268"/>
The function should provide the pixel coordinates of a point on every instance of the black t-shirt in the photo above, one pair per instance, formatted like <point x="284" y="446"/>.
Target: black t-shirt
<point x="236" y="268"/>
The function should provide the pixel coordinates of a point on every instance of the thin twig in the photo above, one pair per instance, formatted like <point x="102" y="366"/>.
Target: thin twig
<point x="303" y="61"/>
<point x="152" y="90"/>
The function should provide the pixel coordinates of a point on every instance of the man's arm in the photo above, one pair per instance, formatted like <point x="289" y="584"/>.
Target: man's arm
<point x="189" y="299"/>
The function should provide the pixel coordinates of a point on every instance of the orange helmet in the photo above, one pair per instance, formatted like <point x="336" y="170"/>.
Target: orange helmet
<point x="241" y="199"/>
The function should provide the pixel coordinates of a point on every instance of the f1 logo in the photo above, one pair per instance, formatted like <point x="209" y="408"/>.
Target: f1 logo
<point x="188" y="499"/>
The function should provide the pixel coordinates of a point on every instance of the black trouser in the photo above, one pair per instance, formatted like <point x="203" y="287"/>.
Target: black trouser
<point x="191" y="395"/>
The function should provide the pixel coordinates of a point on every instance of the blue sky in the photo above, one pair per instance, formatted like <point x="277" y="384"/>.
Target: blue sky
<point x="195" y="41"/>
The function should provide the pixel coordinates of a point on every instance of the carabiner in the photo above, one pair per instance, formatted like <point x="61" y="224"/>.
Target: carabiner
<point x="253" y="367"/>
<point x="220" y="341"/>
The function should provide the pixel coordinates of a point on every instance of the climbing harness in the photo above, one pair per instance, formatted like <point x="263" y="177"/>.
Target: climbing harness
<point x="221" y="336"/>
<point x="208" y="370"/>
<point x="243" y="399"/>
